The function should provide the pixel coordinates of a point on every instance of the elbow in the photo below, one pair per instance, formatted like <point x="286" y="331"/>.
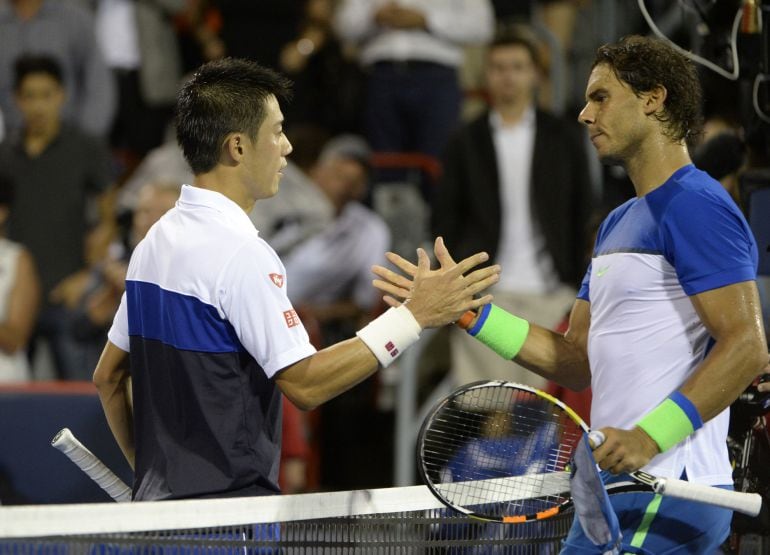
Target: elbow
<point x="104" y="380"/>
<point x="578" y="380"/>
<point x="302" y="399"/>
<point x="761" y="357"/>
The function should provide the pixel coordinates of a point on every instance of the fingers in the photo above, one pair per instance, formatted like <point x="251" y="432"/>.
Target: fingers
<point x="391" y="302"/>
<point x="401" y="263"/>
<point x="390" y="289"/>
<point x="470" y="262"/>
<point x="423" y="262"/>
<point x="478" y="303"/>
<point x="392" y="277"/>
<point x="442" y="253"/>
<point x="622" y="451"/>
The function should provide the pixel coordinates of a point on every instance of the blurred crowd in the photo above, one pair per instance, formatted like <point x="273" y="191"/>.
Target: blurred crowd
<point x="410" y="119"/>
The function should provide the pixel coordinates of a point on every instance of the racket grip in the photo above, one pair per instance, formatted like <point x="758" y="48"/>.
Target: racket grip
<point x="78" y="453"/>
<point x="596" y="438"/>
<point x="746" y="503"/>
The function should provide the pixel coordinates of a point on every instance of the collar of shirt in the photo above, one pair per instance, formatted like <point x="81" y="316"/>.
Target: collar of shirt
<point x="196" y="196"/>
<point x="527" y="120"/>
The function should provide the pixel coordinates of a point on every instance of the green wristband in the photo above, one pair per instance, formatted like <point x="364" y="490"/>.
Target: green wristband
<point x="501" y="331"/>
<point x="669" y="422"/>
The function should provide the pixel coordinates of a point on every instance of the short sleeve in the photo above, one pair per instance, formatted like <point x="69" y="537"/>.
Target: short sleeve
<point x="252" y="297"/>
<point x="707" y="240"/>
<point x="118" y="334"/>
<point x="584" y="292"/>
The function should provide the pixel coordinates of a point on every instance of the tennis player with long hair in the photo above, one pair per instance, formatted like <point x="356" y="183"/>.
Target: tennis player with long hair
<point x="667" y="327"/>
<point x="205" y="328"/>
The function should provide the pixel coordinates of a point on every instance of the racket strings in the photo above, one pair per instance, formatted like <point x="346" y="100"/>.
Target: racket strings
<point x="502" y="451"/>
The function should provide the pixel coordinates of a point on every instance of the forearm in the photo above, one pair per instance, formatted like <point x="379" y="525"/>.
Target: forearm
<point x="116" y="401"/>
<point x="731" y="365"/>
<point x="554" y="357"/>
<point x="326" y="374"/>
<point x="560" y="358"/>
<point x="112" y="379"/>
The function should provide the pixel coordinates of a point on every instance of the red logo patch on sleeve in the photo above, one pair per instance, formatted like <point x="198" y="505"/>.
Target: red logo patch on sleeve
<point x="291" y="318"/>
<point x="277" y="279"/>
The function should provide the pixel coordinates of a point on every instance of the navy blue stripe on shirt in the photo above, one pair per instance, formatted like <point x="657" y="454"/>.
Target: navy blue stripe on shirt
<point x="182" y="321"/>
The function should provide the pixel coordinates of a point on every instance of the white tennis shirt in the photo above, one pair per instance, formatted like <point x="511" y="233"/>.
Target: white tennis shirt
<point x="651" y="254"/>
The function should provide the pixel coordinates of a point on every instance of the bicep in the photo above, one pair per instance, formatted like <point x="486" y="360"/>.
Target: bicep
<point x="730" y="310"/>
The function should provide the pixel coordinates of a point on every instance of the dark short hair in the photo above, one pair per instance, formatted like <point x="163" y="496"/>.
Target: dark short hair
<point x="517" y="35"/>
<point x="644" y="63"/>
<point x="222" y="97"/>
<point x="29" y="64"/>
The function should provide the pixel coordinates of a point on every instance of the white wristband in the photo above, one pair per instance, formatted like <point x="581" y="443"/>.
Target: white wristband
<point x="388" y="335"/>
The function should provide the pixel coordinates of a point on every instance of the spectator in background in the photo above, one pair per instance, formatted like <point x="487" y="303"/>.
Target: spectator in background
<point x="328" y="84"/>
<point x="141" y="48"/>
<point x="58" y="170"/>
<point x="259" y="30"/>
<point x="331" y="283"/>
<point x="19" y="297"/>
<point x="412" y="52"/>
<point x="66" y="32"/>
<point x="331" y="271"/>
<point x="90" y="297"/>
<point x="515" y="184"/>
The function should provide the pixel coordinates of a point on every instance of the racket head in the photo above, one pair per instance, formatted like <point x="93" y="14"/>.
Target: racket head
<point x="499" y="451"/>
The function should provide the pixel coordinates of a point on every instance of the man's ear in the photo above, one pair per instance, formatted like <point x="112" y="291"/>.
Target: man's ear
<point x="233" y="147"/>
<point x="655" y="99"/>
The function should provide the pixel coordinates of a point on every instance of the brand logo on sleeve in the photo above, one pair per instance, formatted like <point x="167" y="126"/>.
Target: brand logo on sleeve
<point x="291" y="318"/>
<point x="601" y="271"/>
<point x="277" y="279"/>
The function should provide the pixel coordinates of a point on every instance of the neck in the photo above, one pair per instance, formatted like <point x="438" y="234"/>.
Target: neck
<point x="653" y="163"/>
<point x="225" y="180"/>
<point x="35" y="140"/>
<point x="511" y="113"/>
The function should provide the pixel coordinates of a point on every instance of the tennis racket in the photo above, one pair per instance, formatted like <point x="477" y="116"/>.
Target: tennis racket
<point x="500" y="451"/>
<point x="78" y="453"/>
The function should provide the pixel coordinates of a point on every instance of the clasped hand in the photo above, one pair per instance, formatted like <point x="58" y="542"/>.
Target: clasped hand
<point x="436" y="297"/>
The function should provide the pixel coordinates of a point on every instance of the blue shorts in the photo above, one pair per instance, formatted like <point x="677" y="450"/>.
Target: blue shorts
<point x="658" y="525"/>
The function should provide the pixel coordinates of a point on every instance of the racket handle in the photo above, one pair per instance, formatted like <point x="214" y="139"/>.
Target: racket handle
<point x="746" y="503"/>
<point x="596" y="438"/>
<point x="78" y="453"/>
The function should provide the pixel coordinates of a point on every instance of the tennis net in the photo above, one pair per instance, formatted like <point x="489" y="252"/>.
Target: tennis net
<point x="376" y="521"/>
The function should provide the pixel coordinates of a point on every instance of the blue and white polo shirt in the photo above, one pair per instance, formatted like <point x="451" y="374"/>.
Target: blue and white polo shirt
<point x="651" y="254"/>
<point x="207" y="323"/>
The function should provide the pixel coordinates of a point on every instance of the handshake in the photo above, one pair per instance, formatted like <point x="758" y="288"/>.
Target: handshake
<point x="441" y="296"/>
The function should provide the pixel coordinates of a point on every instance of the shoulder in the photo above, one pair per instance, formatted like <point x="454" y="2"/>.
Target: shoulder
<point x="690" y="194"/>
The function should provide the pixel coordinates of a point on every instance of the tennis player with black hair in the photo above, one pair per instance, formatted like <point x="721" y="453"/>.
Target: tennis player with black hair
<point x="667" y="327"/>
<point x="205" y="329"/>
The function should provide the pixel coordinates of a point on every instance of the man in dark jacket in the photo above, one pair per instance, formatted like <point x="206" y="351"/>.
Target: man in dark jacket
<point x="516" y="184"/>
